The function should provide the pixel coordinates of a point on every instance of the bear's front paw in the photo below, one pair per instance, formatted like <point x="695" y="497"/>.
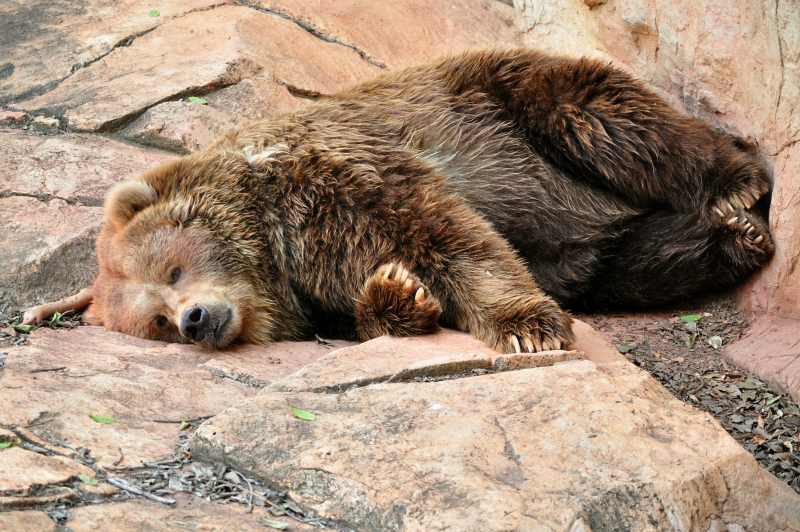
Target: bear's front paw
<point x="540" y="326"/>
<point x="395" y="301"/>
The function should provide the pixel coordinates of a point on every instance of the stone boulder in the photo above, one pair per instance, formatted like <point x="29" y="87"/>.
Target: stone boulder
<point x="412" y="439"/>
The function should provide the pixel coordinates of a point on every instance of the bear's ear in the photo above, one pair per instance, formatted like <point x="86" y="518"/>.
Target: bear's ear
<point x="127" y="198"/>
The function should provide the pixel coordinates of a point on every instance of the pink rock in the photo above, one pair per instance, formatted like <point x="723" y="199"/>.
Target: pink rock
<point x="399" y="34"/>
<point x="10" y="117"/>
<point x="191" y="514"/>
<point x="48" y="45"/>
<point x="54" y="384"/>
<point x="51" y="196"/>
<point x="446" y="354"/>
<point x="530" y="449"/>
<point x="20" y="470"/>
<point x="199" y="52"/>
<point x="771" y="349"/>
<point x="25" y="521"/>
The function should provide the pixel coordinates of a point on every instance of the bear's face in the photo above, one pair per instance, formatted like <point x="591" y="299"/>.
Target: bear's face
<point x="164" y="273"/>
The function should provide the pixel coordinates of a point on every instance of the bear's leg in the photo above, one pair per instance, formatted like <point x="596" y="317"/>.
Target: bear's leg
<point x="394" y="301"/>
<point x="600" y="124"/>
<point x="486" y="289"/>
<point x="665" y="257"/>
<point x="481" y="285"/>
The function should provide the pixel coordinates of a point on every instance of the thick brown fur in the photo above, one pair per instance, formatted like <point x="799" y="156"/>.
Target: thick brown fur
<point x="500" y="184"/>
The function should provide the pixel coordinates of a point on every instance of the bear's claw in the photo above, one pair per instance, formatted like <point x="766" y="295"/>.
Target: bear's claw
<point x="395" y="301"/>
<point x="743" y="199"/>
<point x="532" y="343"/>
<point x="750" y="234"/>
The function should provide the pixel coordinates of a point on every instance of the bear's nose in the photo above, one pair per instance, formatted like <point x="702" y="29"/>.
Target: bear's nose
<point x="195" y="322"/>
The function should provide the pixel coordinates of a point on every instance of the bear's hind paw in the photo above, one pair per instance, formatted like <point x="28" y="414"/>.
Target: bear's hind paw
<point x="750" y="233"/>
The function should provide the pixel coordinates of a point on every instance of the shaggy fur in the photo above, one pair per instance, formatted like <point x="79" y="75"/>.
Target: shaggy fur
<point x="479" y="192"/>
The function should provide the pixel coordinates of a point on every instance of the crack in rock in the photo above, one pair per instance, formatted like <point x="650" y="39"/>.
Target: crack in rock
<point x="241" y="378"/>
<point x="312" y="29"/>
<point x="44" y="197"/>
<point x="441" y="371"/>
<point x="785" y="146"/>
<point x="126" y="41"/>
<point x="780" y="54"/>
<point x="235" y="72"/>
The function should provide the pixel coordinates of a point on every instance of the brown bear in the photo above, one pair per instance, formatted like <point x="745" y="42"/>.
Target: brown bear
<point x="480" y="192"/>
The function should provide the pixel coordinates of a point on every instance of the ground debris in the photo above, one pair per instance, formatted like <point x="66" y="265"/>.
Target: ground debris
<point x="213" y="482"/>
<point x="687" y="361"/>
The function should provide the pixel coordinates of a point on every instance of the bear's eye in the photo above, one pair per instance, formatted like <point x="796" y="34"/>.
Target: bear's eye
<point x="161" y="321"/>
<point x="174" y="275"/>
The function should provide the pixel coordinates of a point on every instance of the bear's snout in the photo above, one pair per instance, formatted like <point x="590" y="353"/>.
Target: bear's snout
<point x="195" y="323"/>
<point x="208" y="324"/>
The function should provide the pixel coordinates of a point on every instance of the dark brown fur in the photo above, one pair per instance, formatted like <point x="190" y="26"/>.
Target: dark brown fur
<point x="477" y="174"/>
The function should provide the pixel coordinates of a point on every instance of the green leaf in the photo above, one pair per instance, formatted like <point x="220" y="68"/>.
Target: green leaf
<point x="23" y="328"/>
<point x="154" y="13"/>
<point x="751" y="383"/>
<point x="626" y="348"/>
<point x="305" y="415"/>
<point x="773" y="400"/>
<point x="197" y="100"/>
<point x="274" y="523"/>
<point x="185" y="425"/>
<point x="6" y="444"/>
<point x="86" y="479"/>
<point x="689" y="318"/>
<point x="103" y="420"/>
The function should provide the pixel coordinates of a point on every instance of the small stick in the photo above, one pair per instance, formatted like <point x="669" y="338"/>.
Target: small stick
<point x="77" y="301"/>
<point x="121" y="484"/>
<point x="191" y="420"/>
<point x="44" y="370"/>
<point x="119" y="460"/>
<point x="250" y="498"/>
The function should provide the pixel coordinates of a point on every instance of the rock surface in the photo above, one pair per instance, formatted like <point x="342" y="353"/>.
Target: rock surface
<point x="51" y="197"/>
<point x="612" y="445"/>
<point x="126" y="72"/>
<point x="575" y="444"/>
<point x="21" y="471"/>
<point x="58" y="389"/>
<point x="190" y="515"/>
<point x="25" y="521"/>
<point x="53" y="385"/>
<point x="771" y="349"/>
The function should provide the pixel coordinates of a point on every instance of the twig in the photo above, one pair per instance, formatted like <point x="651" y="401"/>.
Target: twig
<point x="43" y="370"/>
<point x="119" y="460"/>
<point x="249" y="499"/>
<point x="190" y="421"/>
<point x="123" y="485"/>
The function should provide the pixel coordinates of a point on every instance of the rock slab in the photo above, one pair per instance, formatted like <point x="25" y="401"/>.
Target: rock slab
<point x="51" y="197"/>
<point x="771" y="349"/>
<point x="51" y="388"/>
<point x="576" y="445"/>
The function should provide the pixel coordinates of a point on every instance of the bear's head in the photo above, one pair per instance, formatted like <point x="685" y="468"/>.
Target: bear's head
<point x="180" y="256"/>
